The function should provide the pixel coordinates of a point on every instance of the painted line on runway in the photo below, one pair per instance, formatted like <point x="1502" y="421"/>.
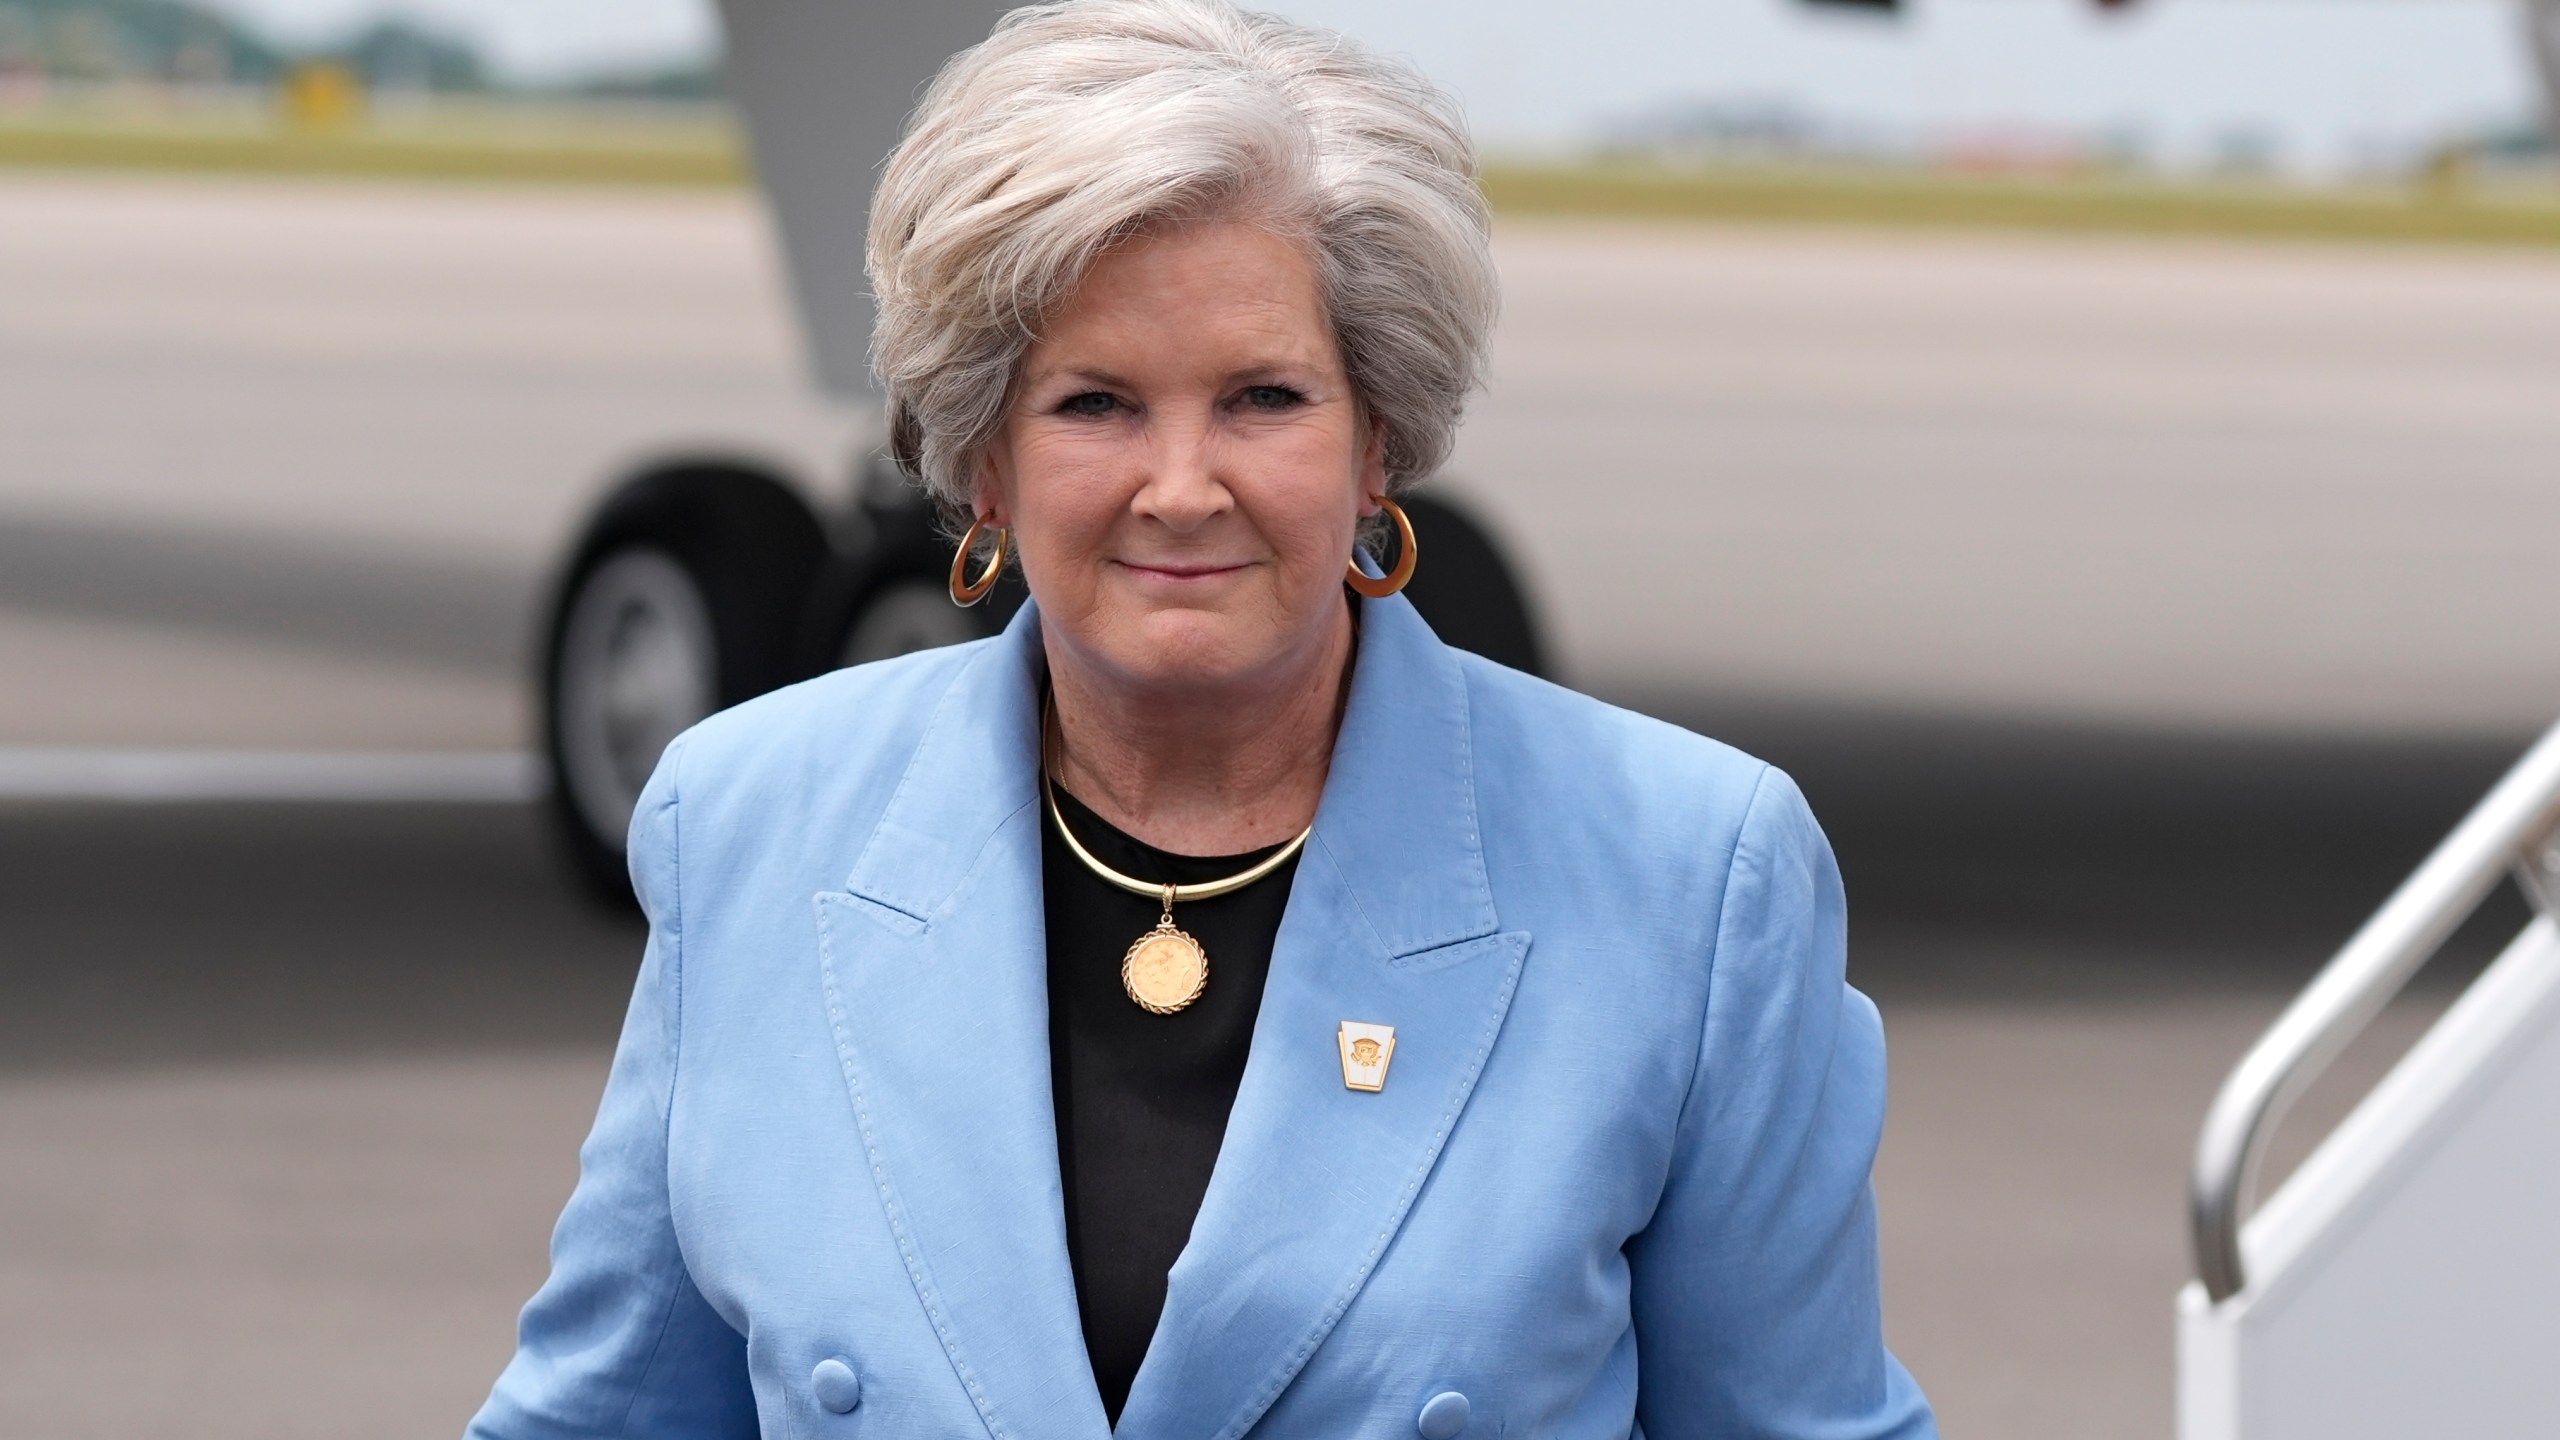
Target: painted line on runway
<point x="472" y="777"/>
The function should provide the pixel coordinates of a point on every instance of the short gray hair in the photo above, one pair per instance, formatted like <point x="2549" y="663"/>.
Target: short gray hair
<point x="1076" y="125"/>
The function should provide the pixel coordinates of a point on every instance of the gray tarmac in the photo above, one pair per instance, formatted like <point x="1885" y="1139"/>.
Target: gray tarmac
<point x="2135" y="615"/>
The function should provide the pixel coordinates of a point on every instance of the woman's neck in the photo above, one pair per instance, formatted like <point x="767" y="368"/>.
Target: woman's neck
<point x="1209" y="773"/>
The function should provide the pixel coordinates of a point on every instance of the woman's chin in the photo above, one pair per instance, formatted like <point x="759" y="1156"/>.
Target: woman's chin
<point x="1204" y="651"/>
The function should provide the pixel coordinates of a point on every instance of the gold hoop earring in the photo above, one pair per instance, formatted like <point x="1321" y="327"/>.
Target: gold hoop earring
<point x="1406" y="553"/>
<point x="966" y="592"/>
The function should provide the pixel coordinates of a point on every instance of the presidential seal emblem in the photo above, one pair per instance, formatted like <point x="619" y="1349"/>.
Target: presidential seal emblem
<point x="1366" y="1049"/>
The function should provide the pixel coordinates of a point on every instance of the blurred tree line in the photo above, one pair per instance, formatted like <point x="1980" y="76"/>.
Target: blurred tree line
<point x="173" y="42"/>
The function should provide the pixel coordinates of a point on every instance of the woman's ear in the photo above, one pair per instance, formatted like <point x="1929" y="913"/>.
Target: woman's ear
<point x="1373" y="469"/>
<point x="986" y="492"/>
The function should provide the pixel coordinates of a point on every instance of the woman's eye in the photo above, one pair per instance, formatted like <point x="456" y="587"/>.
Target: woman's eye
<point x="1272" y="397"/>
<point x="1091" y="402"/>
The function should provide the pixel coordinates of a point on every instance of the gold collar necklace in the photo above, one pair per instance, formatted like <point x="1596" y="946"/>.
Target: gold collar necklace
<point x="1165" y="969"/>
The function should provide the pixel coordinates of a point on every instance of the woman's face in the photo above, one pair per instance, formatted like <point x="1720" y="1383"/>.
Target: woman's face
<point x="1184" y="464"/>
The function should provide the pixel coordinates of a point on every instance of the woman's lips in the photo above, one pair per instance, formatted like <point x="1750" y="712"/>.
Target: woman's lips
<point x="1179" y="571"/>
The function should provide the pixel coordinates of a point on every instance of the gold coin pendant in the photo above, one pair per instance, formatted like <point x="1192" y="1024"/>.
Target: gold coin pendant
<point x="1166" y="970"/>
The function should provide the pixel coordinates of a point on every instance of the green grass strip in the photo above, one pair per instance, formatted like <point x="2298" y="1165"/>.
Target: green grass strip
<point x="390" y="155"/>
<point x="709" y="155"/>
<point x="2444" y="214"/>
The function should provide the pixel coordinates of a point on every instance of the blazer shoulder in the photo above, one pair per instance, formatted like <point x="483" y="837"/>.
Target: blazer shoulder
<point x="1564" y="750"/>
<point x="835" y="737"/>
<point x="1577" y="797"/>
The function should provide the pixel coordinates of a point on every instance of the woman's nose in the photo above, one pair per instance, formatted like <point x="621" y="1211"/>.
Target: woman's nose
<point x="1183" y="486"/>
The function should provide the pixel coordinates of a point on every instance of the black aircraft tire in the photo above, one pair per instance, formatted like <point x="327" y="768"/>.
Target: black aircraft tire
<point x="894" y="597"/>
<point x="683" y="597"/>
<point x="1465" y="587"/>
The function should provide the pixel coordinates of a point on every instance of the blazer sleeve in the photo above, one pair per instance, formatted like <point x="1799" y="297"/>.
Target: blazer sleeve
<point x="619" y="1342"/>
<point x="1756" y="1302"/>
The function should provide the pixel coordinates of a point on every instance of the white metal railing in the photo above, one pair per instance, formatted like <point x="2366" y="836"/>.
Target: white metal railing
<point x="2512" y="830"/>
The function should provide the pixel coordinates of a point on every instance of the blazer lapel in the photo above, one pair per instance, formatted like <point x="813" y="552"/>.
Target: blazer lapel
<point x="1390" y="921"/>
<point x="937" y="993"/>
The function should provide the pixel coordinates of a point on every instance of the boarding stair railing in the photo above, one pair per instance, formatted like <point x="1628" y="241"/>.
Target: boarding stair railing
<point x="2405" y="1280"/>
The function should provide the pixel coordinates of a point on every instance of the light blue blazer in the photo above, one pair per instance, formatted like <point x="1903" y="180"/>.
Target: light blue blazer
<point x="1616" y="1183"/>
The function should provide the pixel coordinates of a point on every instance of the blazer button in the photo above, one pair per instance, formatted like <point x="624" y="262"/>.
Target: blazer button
<point x="1443" y="1416"/>
<point x="839" y="1389"/>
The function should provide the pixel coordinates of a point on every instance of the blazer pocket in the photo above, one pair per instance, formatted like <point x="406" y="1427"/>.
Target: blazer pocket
<point x="1444" y="957"/>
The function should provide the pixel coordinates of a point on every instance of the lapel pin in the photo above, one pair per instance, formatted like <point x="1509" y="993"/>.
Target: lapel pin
<point x="1366" y="1049"/>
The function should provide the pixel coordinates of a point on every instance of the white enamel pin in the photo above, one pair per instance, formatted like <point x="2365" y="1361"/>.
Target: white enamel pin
<point x="1366" y="1049"/>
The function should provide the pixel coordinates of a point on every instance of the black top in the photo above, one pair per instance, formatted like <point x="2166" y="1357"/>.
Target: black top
<point x="1142" y="1098"/>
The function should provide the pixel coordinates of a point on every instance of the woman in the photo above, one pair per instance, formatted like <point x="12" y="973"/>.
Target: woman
<point x="1213" y="1005"/>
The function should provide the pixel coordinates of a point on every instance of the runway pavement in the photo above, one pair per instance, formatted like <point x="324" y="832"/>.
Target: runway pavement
<point x="2135" y="615"/>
